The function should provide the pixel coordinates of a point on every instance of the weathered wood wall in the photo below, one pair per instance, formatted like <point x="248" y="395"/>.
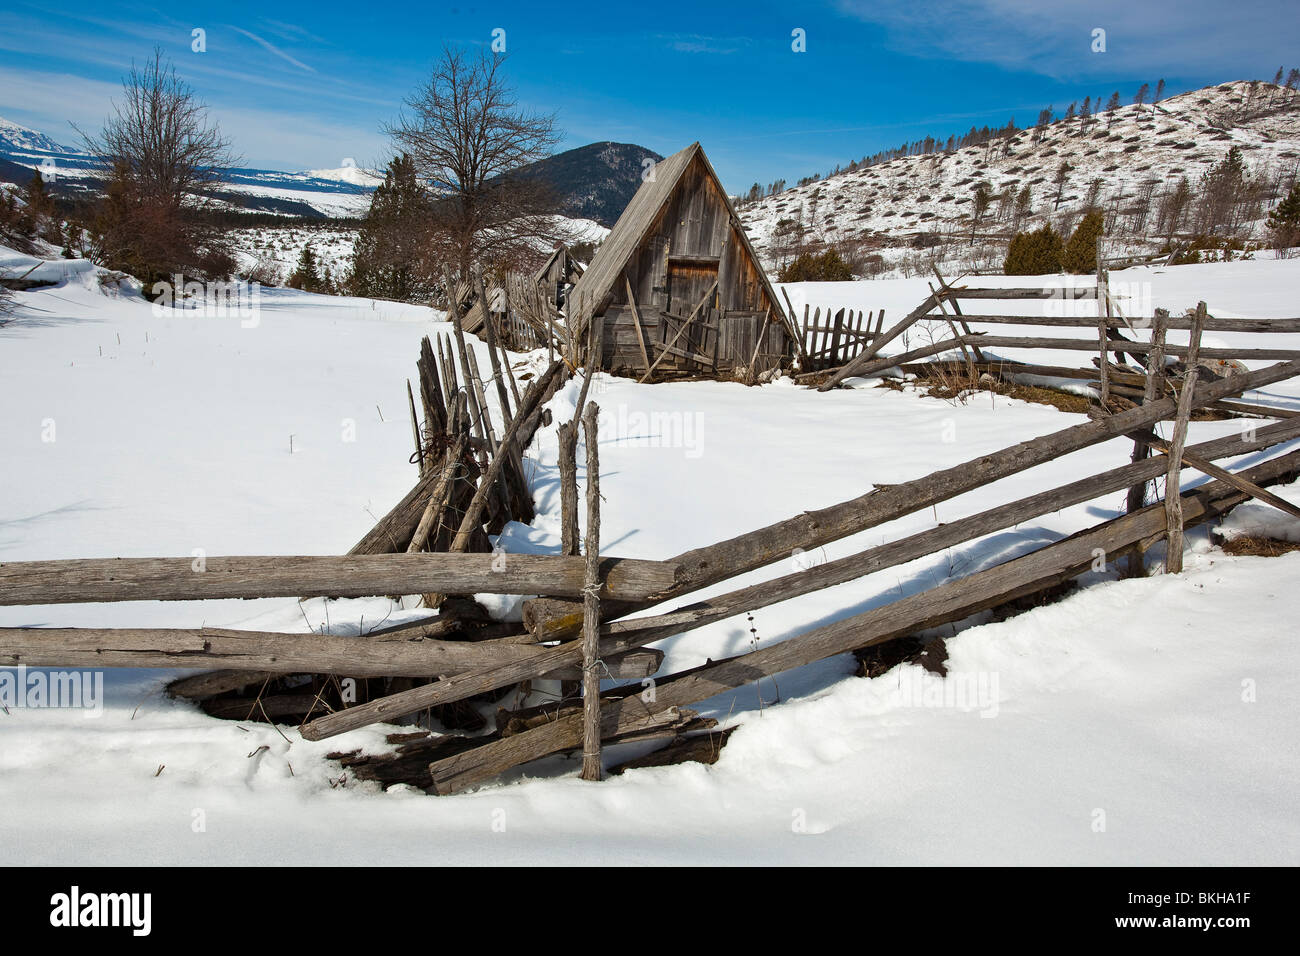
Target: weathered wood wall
<point x="693" y="244"/>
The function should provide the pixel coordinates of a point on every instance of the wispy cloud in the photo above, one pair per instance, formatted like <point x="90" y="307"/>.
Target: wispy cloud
<point x="1056" y="38"/>
<point x="272" y="48"/>
<point x="698" y="43"/>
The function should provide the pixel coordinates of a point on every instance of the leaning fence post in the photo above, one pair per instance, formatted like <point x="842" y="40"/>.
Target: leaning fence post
<point x="1103" y="325"/>
<point x="1155" y="386"/>
<point x="591" y="664"/>
<point x="1173" y="491"/>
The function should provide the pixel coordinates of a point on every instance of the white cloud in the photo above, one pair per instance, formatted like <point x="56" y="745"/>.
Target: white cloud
<point x="1192" y="37"/>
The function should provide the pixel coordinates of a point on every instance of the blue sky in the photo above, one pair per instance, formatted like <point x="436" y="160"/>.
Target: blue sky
<point x="299" y="85"/>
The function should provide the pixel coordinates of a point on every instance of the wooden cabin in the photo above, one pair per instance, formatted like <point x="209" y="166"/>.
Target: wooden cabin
<point x="676" y="285"/>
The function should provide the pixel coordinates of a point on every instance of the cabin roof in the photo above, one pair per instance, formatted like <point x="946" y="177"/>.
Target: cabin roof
<point x="634" y="227"/>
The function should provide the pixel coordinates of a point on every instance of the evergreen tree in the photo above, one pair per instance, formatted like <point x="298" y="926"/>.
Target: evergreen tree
<point x="827" y="267"/>
<point x="1223" y="189"/>
<point x="1023" y="208"/>
<point x="1284" y="221"/>
<point x="1142" y="93"/>
<point x="40" y="207"/>
<point x="1034" y="253"/>
<point x="390" y="258"/>
<point x="306" y="275"/>
<point x="1160" y="91"/>
<point x="1081" y="251"/>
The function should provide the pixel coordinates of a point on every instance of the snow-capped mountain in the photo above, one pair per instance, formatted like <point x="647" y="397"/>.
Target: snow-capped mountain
<point x="16" y="139"/>
<point x="323" y="193"/>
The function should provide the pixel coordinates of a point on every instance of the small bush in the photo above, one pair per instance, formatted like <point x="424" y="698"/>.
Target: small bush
<point x="829" y="266"/>
<point x="1034" y="253"/>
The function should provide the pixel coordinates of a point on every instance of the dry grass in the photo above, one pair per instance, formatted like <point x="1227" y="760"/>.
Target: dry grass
<point x="1258" y="546"/>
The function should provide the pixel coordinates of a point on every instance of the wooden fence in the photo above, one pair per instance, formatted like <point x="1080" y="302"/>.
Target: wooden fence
<point x="1112" y="347"/>
<point x="578" y="627"/>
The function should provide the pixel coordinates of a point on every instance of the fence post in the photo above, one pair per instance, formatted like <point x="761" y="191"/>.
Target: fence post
<point x="591" y="664"/>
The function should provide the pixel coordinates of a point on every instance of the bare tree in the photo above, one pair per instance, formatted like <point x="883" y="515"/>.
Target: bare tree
<point x="469" y="140"/>
<point x="166" y="162"/>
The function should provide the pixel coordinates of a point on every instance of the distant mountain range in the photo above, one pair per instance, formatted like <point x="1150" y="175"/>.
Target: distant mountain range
<point x="591" y="182"/>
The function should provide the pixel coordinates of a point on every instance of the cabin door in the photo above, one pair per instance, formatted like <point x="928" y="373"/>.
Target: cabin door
<point x="689" y="278"/>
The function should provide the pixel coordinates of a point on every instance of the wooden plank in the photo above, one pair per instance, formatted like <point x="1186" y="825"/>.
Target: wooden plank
<point x="95" y="580"/>
<point x="1139" y="348"/>
<point x="694" y="312"/>
<point x="795" y="336"/>
<point x="1059" y="292"/>
<point x="636" y="324"/>
<point x="1177" y="323"/>
<point x="259" y="651"/>
<point x="532" y="399"/>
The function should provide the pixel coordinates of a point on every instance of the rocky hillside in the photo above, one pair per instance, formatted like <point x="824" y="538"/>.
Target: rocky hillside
<point x="894" y="214"/>
<point x="596" y="181"/>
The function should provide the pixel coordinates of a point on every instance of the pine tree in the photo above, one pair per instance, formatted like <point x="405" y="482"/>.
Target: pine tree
<point x="1023" y="208"/>
<point x="391" y="254"/>
<point x="1062" y="174"/>
<point x="1223" y="189"/>
<point x="1112" y="105"/>
<point x="306" y="276"/>
<point x="1160" y="91"/>
<point x="1284" y="221"/>
<point x="1034" y="253"/>
<point x="1141" y="96"/>
<point x="390" y="258"/>
<point x="1081" y="251"/>
<point x="40" y="207"/>
<point x="979" y="205"/>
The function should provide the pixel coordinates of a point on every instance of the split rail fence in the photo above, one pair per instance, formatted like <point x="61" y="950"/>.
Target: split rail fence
<point x="577" y="628"/>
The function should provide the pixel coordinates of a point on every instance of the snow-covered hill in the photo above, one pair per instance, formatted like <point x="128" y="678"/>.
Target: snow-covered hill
<point x="894" y="205"/>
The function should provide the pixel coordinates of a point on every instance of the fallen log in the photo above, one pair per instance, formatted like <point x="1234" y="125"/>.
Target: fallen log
<point x="260" y="651"/>
<point x="93" y="580"/>
<point x="948" y="602"/>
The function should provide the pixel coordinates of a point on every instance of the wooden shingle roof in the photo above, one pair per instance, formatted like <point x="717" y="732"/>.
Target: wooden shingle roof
<point x="591" y="293"/>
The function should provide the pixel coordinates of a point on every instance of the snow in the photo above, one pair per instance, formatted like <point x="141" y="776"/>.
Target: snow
<point x="1264" y="521"/>
<point x="889" y="204"/>
<point x="1123" y="700"/>
<point x="348" y="174"/>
